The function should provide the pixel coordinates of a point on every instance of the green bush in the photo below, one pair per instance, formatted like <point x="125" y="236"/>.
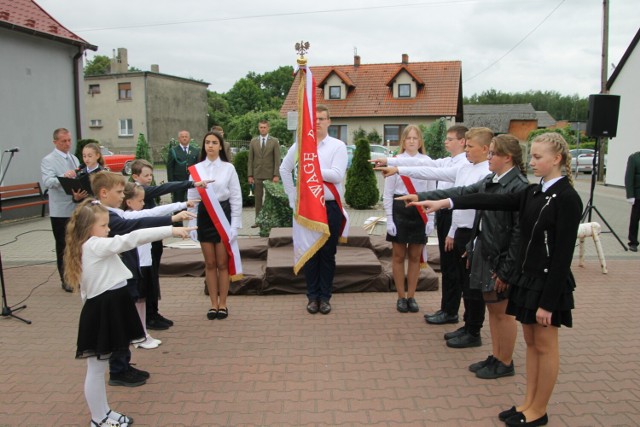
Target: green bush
<point x="434" y="136"/>
<point x="240" y="161"/>
<point x="361" y="187"/>
<point x="276" y="211"/>
<point x="143" y="150"/>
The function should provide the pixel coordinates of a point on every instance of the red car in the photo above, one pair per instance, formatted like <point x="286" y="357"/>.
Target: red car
<point x="117" y="162"/>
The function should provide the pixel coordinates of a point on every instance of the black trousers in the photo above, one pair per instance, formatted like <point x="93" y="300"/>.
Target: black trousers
<point x="320" y="268"/>
<point x="59" y="227"/>
<point x="633" y="223"/>
<point x="473" y="300"/>
<point x="451" y="289"/>
<point x="153" y="293"/>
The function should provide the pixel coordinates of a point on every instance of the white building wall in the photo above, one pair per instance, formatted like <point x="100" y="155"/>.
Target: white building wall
<point x="36" y="97"/>
<point x="627" y="141"/>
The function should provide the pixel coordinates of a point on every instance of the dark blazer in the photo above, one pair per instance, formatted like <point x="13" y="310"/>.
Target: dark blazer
<point x="549" y="227"/>
<point x="118" y="226"/>
<point x="178" y="162"/>
<point x="632" y="176"/>
<point x="264" y="163"/>
<point x="153" y="191"/>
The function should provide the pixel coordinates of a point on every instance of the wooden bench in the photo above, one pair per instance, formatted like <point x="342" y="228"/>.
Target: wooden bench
<point x="13" y="194"/>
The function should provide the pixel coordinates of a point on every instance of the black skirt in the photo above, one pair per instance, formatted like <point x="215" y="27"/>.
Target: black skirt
<point x="410" y="228"/>
<point x="207" y="232"/>
<point x="524" y="297"/>
<point x="108" y="323"/>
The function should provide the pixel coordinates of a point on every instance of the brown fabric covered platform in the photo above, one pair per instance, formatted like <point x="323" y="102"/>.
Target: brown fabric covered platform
<point x="357" y="270"/>
<point x="363" y="265"/>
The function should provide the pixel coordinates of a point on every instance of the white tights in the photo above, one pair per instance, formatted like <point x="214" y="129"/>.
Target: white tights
<point x="95" y="390"/>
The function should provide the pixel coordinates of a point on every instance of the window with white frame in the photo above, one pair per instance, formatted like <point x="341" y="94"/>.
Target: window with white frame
<point x="95" y="123"/>
<point x="93" y="89"/>
<point x="339" y="132"/>
<point x="124" y="91"/>
<point x="126" y="127"/>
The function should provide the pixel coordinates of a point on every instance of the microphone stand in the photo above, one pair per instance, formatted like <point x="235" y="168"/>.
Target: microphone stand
<point x="8" y="311"/>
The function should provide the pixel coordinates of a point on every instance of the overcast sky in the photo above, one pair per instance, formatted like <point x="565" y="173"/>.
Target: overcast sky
<point x="508" y="45"/>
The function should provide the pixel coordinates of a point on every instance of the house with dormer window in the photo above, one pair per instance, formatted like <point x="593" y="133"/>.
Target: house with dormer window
<point x="385" y="97"/>
<point x="40" y="84"/>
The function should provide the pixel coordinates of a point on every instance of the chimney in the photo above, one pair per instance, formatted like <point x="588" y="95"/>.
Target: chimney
<point x="155" y="68"/>
<point x="356" y="60"/>
<point x="405" y="58"/>
<point x="120" y="61"/>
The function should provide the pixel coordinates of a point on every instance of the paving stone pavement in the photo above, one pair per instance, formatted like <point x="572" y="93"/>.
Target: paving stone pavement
<point x="272" y="364"/>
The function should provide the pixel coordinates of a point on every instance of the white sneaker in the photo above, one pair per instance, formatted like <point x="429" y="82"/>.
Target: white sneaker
<point x="149" y="343"/>
<point x="150" y="338"/>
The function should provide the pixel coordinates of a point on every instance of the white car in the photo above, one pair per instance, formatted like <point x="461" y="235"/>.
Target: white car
<point x="582" y="160"/>
<point x="378" y="151"/>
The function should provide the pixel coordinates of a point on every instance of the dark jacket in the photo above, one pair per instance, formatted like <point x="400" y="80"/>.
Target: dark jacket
<point x="548" y="226"/>
<point x="118" y="226"/>
<point x="151" y="192"/>
<point x="500" y="230"/>
<point x="178" y="162"/>
<point x="632" y="176"/>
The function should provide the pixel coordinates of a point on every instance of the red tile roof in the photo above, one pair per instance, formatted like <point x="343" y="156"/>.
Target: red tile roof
<point x="27" y="16"/>
<point x="440" y="95"/>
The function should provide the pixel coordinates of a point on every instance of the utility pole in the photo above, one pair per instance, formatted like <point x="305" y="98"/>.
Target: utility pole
<point x="603" y="80"/>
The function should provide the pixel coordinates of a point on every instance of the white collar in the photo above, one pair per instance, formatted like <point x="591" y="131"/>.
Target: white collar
<point x="209" y="163"/>
<point x="546" y="185"/>
<point x="497" y="177"/>
<point x="63" y="154"/>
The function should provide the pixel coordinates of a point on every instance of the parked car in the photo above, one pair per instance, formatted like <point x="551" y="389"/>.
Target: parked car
<point x="582" y="160"/>
<point x="378" y="151"/>
<point x="117" y="162"/>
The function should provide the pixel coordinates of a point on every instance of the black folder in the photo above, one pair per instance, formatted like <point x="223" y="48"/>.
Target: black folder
<point x="82" y="182"/>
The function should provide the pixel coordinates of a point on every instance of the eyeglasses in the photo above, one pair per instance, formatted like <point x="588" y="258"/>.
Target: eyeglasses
<point x="490" y="154"/>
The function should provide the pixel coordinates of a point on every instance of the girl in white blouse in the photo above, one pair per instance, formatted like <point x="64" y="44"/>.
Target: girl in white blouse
<point x="225" y="184"/>
<point x="405" y="226"/>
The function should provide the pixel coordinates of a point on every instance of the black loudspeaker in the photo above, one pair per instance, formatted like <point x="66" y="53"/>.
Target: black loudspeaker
<point x="603" y="115"/>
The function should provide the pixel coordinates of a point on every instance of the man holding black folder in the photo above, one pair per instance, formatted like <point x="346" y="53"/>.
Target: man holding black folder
<point x="60" y="162"/>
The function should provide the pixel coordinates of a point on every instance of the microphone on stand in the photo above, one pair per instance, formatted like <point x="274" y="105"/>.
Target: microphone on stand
<point x="12" y="150"/>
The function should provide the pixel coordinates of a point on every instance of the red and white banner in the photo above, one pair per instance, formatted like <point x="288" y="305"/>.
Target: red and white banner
<point x="214" y="209"/>
<point x="310" y="226"/>
<point x="412" y="190"/>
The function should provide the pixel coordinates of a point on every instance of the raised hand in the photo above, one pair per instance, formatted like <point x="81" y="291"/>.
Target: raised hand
<point x="387" y="170"/>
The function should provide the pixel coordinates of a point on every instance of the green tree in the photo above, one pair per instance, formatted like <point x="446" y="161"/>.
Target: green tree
<point x="561" y="107"/>
<point x="361" y="189"/>
<point x="359" y="134"/>
<point x="143" y="150"/>
<point x="218" y="109"/>
<point x="275" y="85"/>
<point x="98" y="66"/>
<point x="245" y="96"/>
<point x="374" y="137"/>
<point x="240" y="162"/>
<point x="244" y="127"/>
<point x="434" y="136"/>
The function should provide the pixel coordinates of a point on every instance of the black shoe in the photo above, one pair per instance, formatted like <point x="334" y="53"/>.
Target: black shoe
<point x="465" y="340"/>
<point x="212" y="314"/>
<point x="127" y="379"/>
<point x="427" y="315"/>
<point x="325" y="307"/>
<point x="496" y="370"/>
<point x="475" y="367"/>
<point x="521" y="421"/>
<point x="633" y="248"/>
<point x="144" y="374"/>
<point x="401" y="305"/>
<point x="66" y="287"/>
<point x="413" y="305"/>
<point x="161" y="318"/>
<point x="223" y="313"/>
<point x="313" y="307"/>
<point x="504" y="415"/>
<point x="157" y="325"/>
<point x="442" y="318"/>
<point x="455" y="334"/>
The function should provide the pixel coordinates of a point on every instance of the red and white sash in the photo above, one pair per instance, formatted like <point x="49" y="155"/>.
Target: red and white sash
<point x="220" y="221"/>
<point x="412" y="190"/>
<point x="344" y="228"/>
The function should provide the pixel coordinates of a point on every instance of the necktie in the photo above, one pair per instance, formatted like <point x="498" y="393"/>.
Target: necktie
<point x="70" y="162"/>
<point x="263" y="142"/>
<point x="185" y="149"/>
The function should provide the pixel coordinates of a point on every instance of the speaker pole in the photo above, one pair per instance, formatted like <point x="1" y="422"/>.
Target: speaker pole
<point x="590" y="205"/>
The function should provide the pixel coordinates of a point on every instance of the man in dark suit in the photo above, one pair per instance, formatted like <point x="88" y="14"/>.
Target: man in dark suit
<point x="264" y="162"/>
<point x="632" y="186"/>
<point x="180" y="158"/>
